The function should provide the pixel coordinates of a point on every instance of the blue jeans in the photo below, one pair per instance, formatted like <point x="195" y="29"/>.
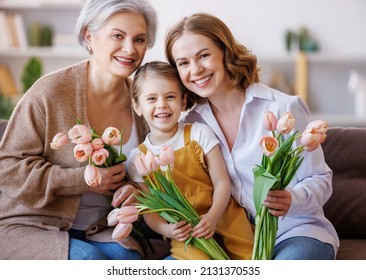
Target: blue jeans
<point x="300" y="248"/>
<point x="303" y="248"/>
<point x="82" y="249"/>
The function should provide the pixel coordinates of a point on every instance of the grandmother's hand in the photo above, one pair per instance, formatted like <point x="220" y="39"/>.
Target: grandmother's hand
<point x="278" y="202"/>
<point x="112" y="179"/>
<point x="125" y="196"/>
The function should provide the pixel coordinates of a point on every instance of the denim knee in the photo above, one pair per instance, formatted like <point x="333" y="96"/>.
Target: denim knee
<point x="80" y="250"/>
<point x="115" y="251"/>
<point x="303" y="248"/>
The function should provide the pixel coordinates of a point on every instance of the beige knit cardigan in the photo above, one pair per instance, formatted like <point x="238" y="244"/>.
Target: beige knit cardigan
<point x="42" y="187"/>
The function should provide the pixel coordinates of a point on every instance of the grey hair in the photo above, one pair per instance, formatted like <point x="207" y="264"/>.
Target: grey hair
<point x="96" y="12"/>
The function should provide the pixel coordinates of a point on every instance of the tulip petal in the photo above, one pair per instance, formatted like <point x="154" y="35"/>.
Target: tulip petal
<point x="270" y="121"/>
<point x="112" y="217"/>
<point x="286" y="123"/>
<point x="127" y="214"/>
<point x="59" y="141"/>
<point x="121" y="231"/>
<point x="92" y="176"/>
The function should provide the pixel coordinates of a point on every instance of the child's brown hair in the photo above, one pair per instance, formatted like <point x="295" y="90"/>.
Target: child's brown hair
<point x="157" y="69"/>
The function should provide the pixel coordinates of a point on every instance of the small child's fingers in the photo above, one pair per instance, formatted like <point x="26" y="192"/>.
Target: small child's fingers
<point x="179" y="225"/>
<point x="202" y="233"/>
<point x="182" y="233"/>
<point x="211" y="234"/>
<point x="181" y="229"/>
<point x="200" y="225"/>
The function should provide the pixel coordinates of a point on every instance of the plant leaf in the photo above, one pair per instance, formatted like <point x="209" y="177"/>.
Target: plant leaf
<point x="263" y="182"/>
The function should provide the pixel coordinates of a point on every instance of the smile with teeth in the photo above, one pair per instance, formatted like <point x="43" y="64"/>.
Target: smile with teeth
<point x="122" y="59"/>
<point x="203" y="80"/>
<point x="162" y="115"/>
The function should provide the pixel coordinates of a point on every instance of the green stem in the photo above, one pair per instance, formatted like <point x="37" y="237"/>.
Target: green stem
<point x="258" y="230"/>
<point x="148" y="178"/>
<point x="210" y="247"/>
<point x="264" y="235"/>
<point x="185" y="218"/>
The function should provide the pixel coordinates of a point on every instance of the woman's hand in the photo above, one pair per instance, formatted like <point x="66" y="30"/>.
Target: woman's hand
<point x="180" y="231"/>
<point x="125" y="196"/>
<point x="205" y="228"/>
<point x="278" y="202"/>
<point x="112" y="179"/>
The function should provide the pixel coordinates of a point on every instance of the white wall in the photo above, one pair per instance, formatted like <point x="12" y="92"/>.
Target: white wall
<point x="339" y="26"/>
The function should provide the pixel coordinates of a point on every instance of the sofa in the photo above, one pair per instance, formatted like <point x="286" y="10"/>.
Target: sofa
<point x="344" y="153"/>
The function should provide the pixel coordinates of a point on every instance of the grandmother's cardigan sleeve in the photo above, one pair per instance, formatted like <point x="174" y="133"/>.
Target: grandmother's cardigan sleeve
<point x="31" y="172"/>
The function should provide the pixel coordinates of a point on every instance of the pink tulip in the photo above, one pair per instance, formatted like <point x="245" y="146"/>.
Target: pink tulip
<point x="270" y="121"/>
<point x="127" y="214"/>
<point x="97" y="144"/>
<point x="83" y="151"/>
<point x="269" y="145"/>
<point x="80" y="134"/>
<point x="145" y="164"/>
<point x="140" y="165"/>
<point x="150" y="162"/>
<point x="286" y="123"/>
<point x="121" y="231"/>
<point x="99" y="156"/>
<point x="311" y="139"/>
<point x="166" y="157"/>
<point x="92" y="176"/>
<point x="111" y="136"/>
<point x="59" y="141"/>
<point x="321" y="126"/>
<point x="112" y="217"/>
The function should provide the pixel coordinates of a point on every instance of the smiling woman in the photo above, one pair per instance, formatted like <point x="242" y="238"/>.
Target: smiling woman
<point x="123" y="47"/>
<point x="44" y="195"/>
<point x="231" y="99"/>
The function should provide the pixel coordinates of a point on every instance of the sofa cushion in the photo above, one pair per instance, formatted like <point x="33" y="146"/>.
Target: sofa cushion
<point x="345" y="153"/>
<point x="352" y="249"/>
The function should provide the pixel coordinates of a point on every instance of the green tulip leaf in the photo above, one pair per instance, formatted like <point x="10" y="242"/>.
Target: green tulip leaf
<point x="121" y="158"/>
<point x="263" y="182"/>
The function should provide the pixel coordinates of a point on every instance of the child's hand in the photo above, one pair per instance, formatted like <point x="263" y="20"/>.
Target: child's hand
<point x="205" y="228"/>
<point x="180" y="231"/>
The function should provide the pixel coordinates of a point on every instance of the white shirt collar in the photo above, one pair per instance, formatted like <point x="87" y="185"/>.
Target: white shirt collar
<point x="256" y="90"/>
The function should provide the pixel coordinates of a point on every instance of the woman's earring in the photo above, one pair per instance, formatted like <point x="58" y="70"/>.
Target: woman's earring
<point x="90" y="50"/>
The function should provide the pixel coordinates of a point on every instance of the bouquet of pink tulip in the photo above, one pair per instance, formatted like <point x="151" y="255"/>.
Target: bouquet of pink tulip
<point x="99" y="151"/>
<point x="280" y="162"/>
<point x="162" y="197"/>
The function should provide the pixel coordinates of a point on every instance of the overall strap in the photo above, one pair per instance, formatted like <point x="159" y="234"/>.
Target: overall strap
<point x="187" y="133"/>
<point x="142" y="148"/>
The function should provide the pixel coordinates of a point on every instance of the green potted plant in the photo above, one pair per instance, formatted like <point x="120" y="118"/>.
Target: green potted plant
<point x="6" y="107"/>
<point x="32" y="72"/>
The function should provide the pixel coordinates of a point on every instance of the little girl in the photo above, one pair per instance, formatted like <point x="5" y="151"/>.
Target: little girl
<point x="199" y="168"/>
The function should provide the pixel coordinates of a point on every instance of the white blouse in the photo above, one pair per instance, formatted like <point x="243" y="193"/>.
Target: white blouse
<point x="312" y="185"/>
